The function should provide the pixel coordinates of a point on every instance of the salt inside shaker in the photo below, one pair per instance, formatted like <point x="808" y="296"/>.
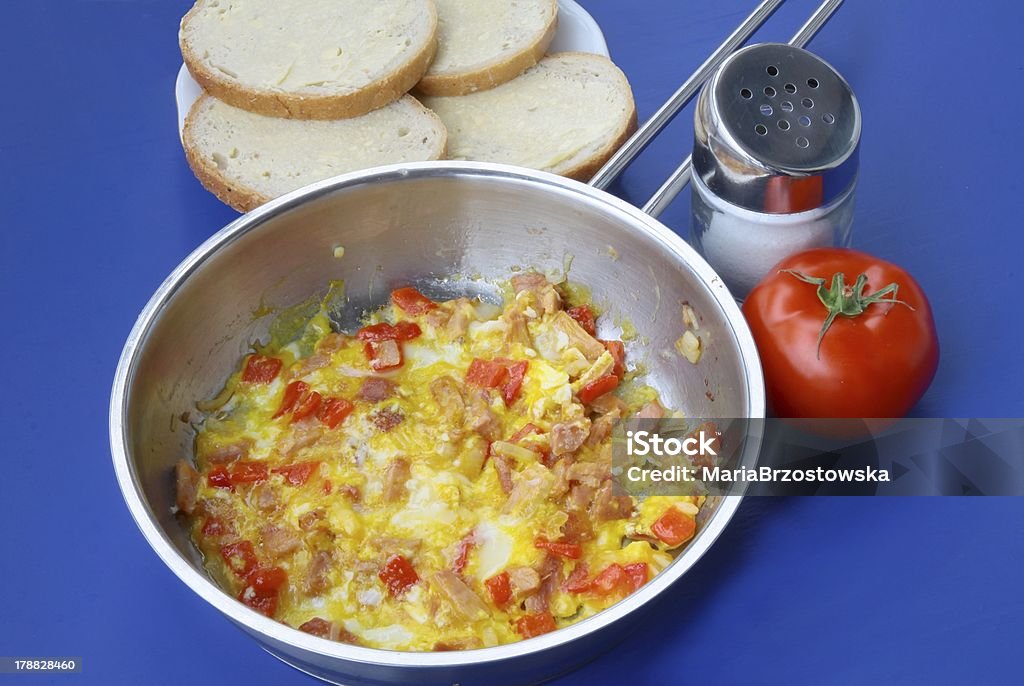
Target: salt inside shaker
<point x="777" y="133"/>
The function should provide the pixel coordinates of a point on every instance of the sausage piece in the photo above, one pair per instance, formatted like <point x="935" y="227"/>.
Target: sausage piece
<point x="187" y="486"/>
<point x="395" y="476"/>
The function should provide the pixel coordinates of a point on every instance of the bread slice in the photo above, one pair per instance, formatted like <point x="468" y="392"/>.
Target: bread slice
<point x="485" y="43"/>
<point x="309" y="59"/>
<point x="566" y="115"/>
<point x="247" y="159"/>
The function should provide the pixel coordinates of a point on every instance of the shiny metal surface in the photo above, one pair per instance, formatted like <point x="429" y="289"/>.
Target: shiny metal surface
<point x="421" y="223"/>
<point x="777" y="130"/>
<point x="681" y="98"/>
<point x="679" y="178"/>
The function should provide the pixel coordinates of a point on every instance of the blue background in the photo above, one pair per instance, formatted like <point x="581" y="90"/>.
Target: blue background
<point x="98" y="205"/>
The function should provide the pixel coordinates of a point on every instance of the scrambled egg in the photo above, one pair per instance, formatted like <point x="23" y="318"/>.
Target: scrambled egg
<point x="430" y="501"/>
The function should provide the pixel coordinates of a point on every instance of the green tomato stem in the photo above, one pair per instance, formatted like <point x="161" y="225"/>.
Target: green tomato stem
<point x="840" y="299"/>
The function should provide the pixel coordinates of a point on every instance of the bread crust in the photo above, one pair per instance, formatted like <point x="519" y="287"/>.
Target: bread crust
<point x="586" y="170"/>
<point x="491" y="75"/>
<point x="233" y="192"/>
<point x="277" y="103"/>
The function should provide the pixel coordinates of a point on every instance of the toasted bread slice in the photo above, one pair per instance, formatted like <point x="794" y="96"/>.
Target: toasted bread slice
<point x="567" y="115"/>
<point x="247" y="159"/>
<point x="485" y="43"/>
<point x="309" y="59"/>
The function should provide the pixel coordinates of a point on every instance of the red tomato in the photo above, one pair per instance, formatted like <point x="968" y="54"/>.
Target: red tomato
<point x="398" y="575"/>
<point x="218" y="477"/>
<point x="267" y="581"/>
<point x="297" y="474"/>
<point x="486" y="373"/>
<point x="528" y="428"/>
<point x="595" y="389"/>
<point x="261" y="369"/>
<point x="612" y="580"/>
<point x="638" y="574"/>
<point x="334" y="411"/>
<point x="411" y="301"/>
<point x="406" y="331"/>
<point x="240" y="557"/>
<point x="871" y="352"/>
<point x="402" y="331"/>
<point x="514" y="385"/>
<point x="377" y="332"/>
<point x="674" y="528"/>
<point x="307" y="406"/>
<point x="569" y="550"/>
<point x="618" y="353"/>
<point x="246" y="472"/>
<point x="500" y="588"/>
<point x="579" y="579"/>
<point x="529" y="626"/>
<point x="584" y="316"/>
<point x="266" y="605"/>
<point x="292" y="393"/>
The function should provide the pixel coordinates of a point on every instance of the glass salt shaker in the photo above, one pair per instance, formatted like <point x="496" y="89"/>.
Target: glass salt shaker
<point x="775" y="156"/>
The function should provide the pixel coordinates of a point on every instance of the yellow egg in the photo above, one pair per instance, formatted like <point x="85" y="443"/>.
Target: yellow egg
<point x="395" y="501"/>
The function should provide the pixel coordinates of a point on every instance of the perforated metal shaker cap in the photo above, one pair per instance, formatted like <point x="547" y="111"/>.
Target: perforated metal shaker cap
<point x="777" y="130"/>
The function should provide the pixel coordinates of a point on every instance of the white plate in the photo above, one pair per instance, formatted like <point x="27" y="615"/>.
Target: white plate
<point x="577" y="31"/>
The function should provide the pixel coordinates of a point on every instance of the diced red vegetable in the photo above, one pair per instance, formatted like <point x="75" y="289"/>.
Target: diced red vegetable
<point x="486" y="373"/>
<point x="673" y="527"/>
<point x="383" y="355"/>
<point x="402" y="331"/>
<point x="297" y="474"/>
<point x="240" y="557"/>
<point x="334" y="411"/>
<point x="638" y="574"/>
<point x="261" y="369"/>
<point x="611" y="580"/>
<point x="406" y="331"/>
<point x="529" y="626"/>
<point x="307" y="406"/>
<point x="618" y="353"/>
<point x="462" y="554"/>
<point x="292" y="393"/>
<point x="411" y="301"/>
<point x="528" y="428"/>
<point x="513" y="386"/>
<point x="595" y="389"/>
<point x="266" y="581"/>
<point x="266" y="605"/>
<point x="219" y="477"/>
<point x="376" y="332"/>
<point x="247" y="472"/>
<point x="584" y="316"/>
<point x="569" y="550"/>
<point x="398" y="575"/>
<point x="499" y="588"/>
<point x="579" y="579"/>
